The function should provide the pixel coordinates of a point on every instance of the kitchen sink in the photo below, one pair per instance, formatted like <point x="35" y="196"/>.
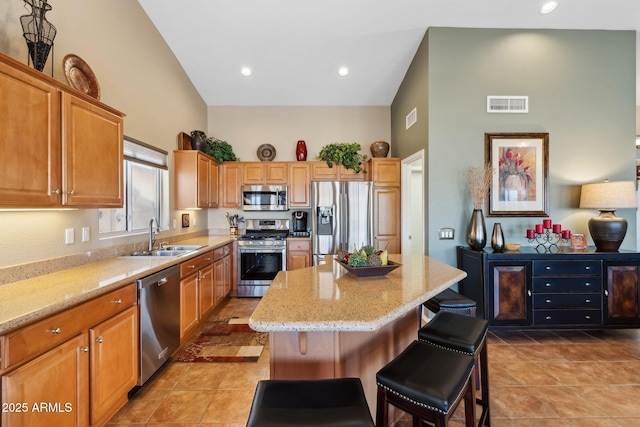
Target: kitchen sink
<point x="168" y="251"/>
<point x="183" y="247"/>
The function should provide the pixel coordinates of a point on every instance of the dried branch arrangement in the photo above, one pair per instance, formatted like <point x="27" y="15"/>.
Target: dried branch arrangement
<point x="478" y="181"/>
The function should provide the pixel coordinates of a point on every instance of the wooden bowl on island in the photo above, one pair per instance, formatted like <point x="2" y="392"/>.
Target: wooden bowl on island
<point x="512" y="246"/>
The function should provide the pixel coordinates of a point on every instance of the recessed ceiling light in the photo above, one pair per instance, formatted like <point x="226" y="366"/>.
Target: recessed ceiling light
<point x="548" y="7"/>
<point x="245" y="71"/>
<point x="343" y="71"/>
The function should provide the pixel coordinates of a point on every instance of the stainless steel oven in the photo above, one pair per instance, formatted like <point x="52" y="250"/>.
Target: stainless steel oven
<point x="262" y="253"/>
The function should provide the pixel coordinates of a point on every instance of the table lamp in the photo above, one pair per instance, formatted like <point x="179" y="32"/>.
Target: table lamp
<point x="608" y="230"/>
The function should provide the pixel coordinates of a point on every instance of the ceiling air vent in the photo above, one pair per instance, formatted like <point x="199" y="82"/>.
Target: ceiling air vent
<point x="411" y="118"/>
<point x="507" y="104"/>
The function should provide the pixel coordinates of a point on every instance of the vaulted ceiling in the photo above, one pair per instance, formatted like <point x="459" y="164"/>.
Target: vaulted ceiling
<point x="294" y="48"/>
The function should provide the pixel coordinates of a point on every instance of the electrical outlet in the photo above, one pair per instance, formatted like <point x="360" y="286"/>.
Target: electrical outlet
<point x="446" y="233"/>
<point x="174" y="223"/>
<point x="69" y="236"/>
<point x="194" y="221"/>
<point x="86" y="234"/>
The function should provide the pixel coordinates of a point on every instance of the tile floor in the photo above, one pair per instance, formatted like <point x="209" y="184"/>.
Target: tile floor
<point x="544" y="378"/>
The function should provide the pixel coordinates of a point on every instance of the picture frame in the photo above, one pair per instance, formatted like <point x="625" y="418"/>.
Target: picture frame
<point x="519" y="186"/>
<point x="185" y="220"/>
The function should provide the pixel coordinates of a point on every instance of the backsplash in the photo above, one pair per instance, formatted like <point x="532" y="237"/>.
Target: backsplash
<point x="19" y="272"/>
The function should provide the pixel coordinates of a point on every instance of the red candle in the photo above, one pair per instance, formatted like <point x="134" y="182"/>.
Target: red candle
<point x="531" y="233"/>
<point x="539" y="229"/>
<point x="546" y="223"/>
<point x="557" y="228"/>
<point x="566" y="234"/>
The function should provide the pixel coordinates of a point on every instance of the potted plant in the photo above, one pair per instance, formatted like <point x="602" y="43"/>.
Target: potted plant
<point x="220" y="150"/>
<point x="345" y="154"/>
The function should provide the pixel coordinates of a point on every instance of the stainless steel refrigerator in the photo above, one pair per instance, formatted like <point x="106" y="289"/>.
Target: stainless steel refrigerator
<point x="341" y="217"/>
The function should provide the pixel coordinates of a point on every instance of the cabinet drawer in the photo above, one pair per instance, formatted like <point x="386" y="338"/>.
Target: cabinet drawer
<point x="567" y="317"/>
<point x="221" y="252"/>
<point x="195" y="264"/>
<point x="567" y="284"/>
<point x="546" y="301"/>
<point x="552" y="268"/>
<point x="33" y="340"/>
<point x="298" y="245"/>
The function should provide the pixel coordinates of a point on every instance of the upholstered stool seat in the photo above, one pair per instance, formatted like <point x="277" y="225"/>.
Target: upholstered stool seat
<point x="427" y="382"/>
<point x="466" y="335"/>
<point x="450" y="300"/>
<point x="338" y="402"/>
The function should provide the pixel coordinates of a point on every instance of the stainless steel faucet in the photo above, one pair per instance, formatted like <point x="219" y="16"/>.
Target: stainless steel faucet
<point x="153" y="233"/>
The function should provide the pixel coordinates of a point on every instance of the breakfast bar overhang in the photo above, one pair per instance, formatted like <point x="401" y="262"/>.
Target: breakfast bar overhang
<point x="324" y="322"/>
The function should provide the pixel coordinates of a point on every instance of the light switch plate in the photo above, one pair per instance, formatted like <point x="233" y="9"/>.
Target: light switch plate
<point x="86" y="234"/>
<point x="69" y="236"/>
<point x="446" y="233"/>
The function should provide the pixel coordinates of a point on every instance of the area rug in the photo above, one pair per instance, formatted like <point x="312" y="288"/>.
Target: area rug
<point x="226" y="340"/>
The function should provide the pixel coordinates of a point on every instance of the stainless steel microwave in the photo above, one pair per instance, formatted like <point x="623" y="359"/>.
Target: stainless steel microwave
<point x="264" y="198"/>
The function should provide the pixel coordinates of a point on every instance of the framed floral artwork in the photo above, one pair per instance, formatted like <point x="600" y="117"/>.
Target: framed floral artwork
<point x="519" y="185"/>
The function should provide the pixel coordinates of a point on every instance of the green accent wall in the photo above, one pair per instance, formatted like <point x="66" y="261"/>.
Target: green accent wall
<point x="581" y="89"/>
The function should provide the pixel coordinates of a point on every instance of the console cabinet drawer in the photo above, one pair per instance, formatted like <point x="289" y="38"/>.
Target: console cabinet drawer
<point x="574" y="268"/>
<point x="195" y="264"/>
<point x="566" y="317"/>
<point x="547" y="301"/>
<point x="567" y="284"/>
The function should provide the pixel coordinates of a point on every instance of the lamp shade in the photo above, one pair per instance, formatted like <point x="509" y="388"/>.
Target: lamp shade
<point x="608" y="195"/>
<point x="608" y="230"/>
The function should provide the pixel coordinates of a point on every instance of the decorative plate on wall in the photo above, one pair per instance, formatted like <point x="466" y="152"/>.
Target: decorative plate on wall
<point x="80" y="76"/>
<point x="266" y="152"/>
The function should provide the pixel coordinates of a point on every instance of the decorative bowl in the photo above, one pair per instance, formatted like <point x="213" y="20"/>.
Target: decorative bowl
<point x="370" y="271"/>
<point x="512" y="246"/>
<point x="266" y="152"/>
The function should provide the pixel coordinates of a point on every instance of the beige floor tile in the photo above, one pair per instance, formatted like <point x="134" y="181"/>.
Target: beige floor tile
<point x="182" y="406"/>
<point x="229" y="406"/>
<point x="202" y="376"/>
<point x="244" y="376"/>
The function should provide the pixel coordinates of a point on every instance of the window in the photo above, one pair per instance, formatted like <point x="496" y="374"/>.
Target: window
<point x="146" y="192"/>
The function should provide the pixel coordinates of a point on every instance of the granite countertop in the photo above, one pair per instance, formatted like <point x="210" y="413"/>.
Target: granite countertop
<point x="328" y="298"/>
<point x="29" y="300"/>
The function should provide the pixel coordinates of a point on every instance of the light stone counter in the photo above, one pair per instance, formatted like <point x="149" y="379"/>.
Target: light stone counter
<point x="328" y="298"/>
<point x="29" y="300"/>
<point x="324" y="322"/>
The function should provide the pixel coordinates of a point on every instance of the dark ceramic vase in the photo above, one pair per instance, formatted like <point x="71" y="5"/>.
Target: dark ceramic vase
<point x="301" y="151"/>
<point x="497" y="239"/>
<point x="198" y="140"/>
<point x="477" y="233"/>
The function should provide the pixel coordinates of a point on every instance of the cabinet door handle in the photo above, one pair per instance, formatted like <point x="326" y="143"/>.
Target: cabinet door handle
<point x="56" y="191"/>
<point x="118" y="301"/>
<point x="547" y="267"/>
<point x="587" y="268"/>
<point x="84" y="349"/>
<point x="72" y="192"/>
<point x="548" y="285"/>
<point x="606" y="293"/>
<point x="547" y="301"/>
<point x="207" y="259"/>
<point x="587" y="317"/>
<point x="548" y="317"/>
<point x="55" y="331"/>
<point x="191" y="266"/>
<point x="587" y="300"/>
<point x="99" y="340"/>
<point x="529" y="293"/>
<point x="587" y="284"/>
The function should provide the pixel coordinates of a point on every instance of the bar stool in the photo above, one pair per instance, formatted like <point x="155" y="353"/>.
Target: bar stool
<point x="467" y="335"/>
<point x="450" y="300"/>
<point x="427" y="382"/>
<point x="335" y="402"/>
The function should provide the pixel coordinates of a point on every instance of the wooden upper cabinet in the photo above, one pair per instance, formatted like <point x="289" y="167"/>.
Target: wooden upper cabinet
<point x="29" y="140"/>
<point x="195" y="180"/>
<point x="299" y="190"/>
<point x="92" y="155"/>
<point x="59" y="147"/>
<point x="385" y="172"/>
<point x="320" y="171"/>
<point x="230" y="176"/>
<point x="264" y="173"/>
<point x="213" y="183"/>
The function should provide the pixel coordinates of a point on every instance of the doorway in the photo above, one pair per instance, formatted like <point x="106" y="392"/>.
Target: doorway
<point x="413" y="204"/>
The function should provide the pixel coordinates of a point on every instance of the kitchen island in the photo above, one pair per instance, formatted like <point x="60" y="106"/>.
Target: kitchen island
<point x="324" y="322"/>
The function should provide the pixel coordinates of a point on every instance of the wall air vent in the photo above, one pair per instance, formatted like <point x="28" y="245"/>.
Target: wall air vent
<point x="412" y="117"/>
<point x="507" y="104"/>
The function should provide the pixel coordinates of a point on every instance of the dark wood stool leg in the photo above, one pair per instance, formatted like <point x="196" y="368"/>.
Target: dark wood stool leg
<point x="381" y="408"/>
<point x="485" y="417"/>
<point x="470" y="402"/>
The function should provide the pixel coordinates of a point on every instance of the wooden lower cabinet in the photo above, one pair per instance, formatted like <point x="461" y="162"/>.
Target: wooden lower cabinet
<point x="112" y="369"/>
<point x="74" y="368"/>
<point x="188" y="305"/>
<point x="511" y="289"/>
<point x="622" y="296"/>
<point x="298" y="254"/>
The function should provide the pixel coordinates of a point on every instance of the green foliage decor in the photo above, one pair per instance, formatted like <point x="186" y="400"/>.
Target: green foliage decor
<point x="345" y="154"/>
<point x="220" y="150"/>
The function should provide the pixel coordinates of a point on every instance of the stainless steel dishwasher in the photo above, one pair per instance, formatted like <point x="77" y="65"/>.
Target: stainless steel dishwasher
<point x="159" y="303"/>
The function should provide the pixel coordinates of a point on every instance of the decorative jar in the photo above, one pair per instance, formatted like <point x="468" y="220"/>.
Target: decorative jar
<point x="301" y="151"/>
<point x="379" y="149"/>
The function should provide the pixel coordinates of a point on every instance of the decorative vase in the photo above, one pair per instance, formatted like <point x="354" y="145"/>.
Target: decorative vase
<point x="379" y="149"/>
<point x="477" y="233"/>
<point x="198" y="140"/>
<point x="497" y="239"/>
<point x="301" y="151"/>
<point x="514" y="188"/>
